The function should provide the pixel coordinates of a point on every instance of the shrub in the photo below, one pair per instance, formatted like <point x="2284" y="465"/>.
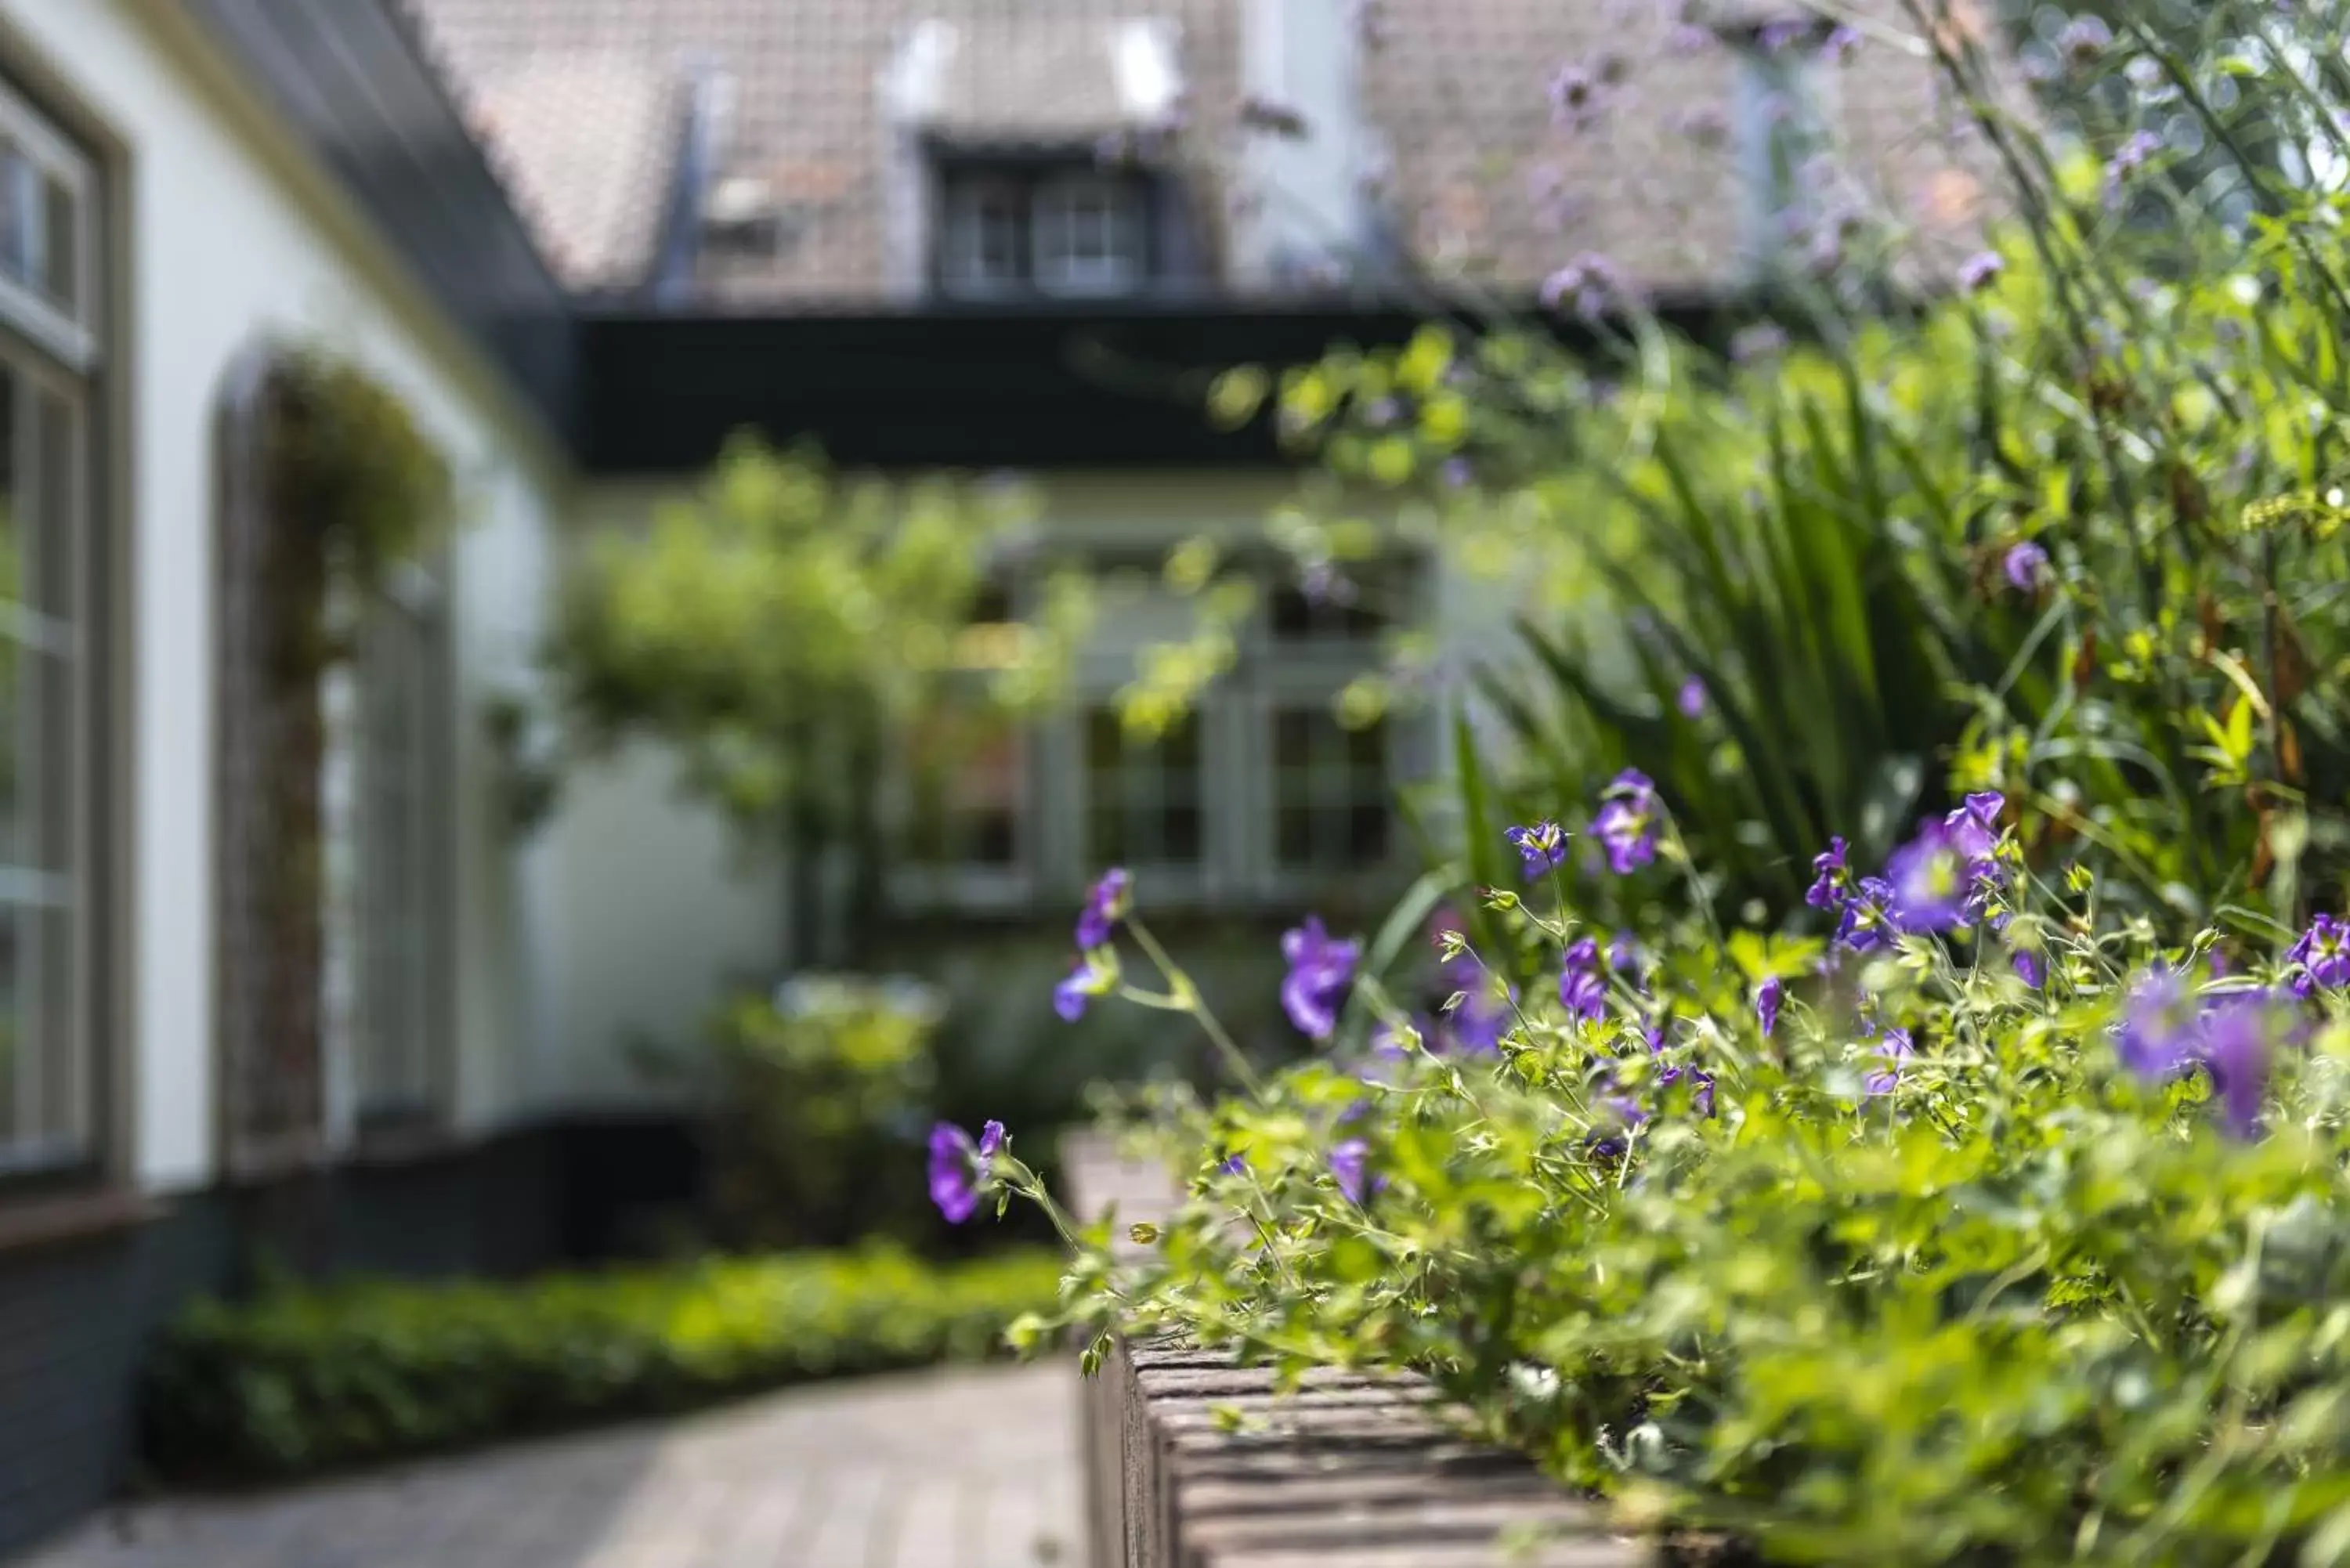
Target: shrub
<point x="1990" y="1230"/>
<point x="818" y="1085"/>
<point x="307" y="1378"/>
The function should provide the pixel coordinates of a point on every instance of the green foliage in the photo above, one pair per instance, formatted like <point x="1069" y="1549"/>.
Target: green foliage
<point x="309" y="1378"/>
<point x="820" y="1086"/>
<point x="1985" y="1296"/>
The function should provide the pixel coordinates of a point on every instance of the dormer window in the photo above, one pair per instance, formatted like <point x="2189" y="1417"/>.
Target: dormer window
<point x="1060" y="231"/>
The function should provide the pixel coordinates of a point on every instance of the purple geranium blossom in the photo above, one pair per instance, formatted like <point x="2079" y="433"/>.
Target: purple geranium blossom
<point x="1583" y="993"/>
<point x="2023" y="564"/>
<point x="1237" y="1165"/>
<point x="2238" y="1033"/>
<point x="1081" y="985"/>
<point x="1543" y="846"/>
<point x="1590" y="280"/>
<point x="1627" y="823"/>
<point x="1841" y="43"/>
<point x="2322" y="955"/>
<point x="2158" y="1034"/>
<point x="956" y="1167"/>
<point x="1931" y="877"/>
<point x="1349" y="1165"/>
<point x="1868" y="919"/>
<point x="1106" y="905"/>
<point x="2031" y="966"/>
<point x="1486" y="1010"/>
<point x="1979" y="271"/>
<point x="1319" y="972"/>
<point x="1831" y="878"/>
<point x="1768" y="999"/>
<point x="1893" y="1051"/>
<point x="1690" y="698"/>
<point x="1583" y="954"/>
<point x="1624" y="954"/>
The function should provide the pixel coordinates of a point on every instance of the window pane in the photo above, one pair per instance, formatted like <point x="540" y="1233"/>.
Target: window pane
<point x="56" y="478"/>
<point x="60" y="281"/>
<point x="1330" y="793"/>
<point x="1144" y="800"/>
<point x="64" y="1083"/>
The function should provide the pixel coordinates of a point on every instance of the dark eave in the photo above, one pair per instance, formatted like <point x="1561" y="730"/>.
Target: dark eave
<point x="350" y="81"/>
<point x="1033" y="389"/>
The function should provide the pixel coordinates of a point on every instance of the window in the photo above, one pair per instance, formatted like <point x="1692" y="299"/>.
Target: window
<point x="1065" y="232"/>
<point x="1259" y="795"/>
<point x="403" y="812"/>
<point x="48" y="1075"/>
<point x="1145" y="795"/>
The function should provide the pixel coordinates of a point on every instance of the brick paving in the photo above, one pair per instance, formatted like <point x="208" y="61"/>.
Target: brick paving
<point x="965" y="1469"/>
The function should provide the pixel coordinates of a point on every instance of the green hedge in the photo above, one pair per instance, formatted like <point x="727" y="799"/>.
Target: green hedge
<point x="307" y="1379"/>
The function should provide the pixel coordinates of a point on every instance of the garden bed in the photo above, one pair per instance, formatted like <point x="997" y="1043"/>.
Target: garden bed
<point x="1193" y="1462"/>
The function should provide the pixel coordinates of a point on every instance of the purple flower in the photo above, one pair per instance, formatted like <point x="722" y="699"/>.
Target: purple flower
<point x="1237" y="1165"/>
<point x="2322" y="955"/>
<point x="1457" y="472"/>
<point x="1543" y="846"/>
<point x="1574" y="94"/>
<point x="1775" y="36"/>
<point x="2083" y="41"/>
<point x="1893" y="1051"/>
<point x="2127" y="161"/>
<point x="1690" y="698"/>
<point x="1583" y="954"/>
<point x="1627" y="823"/>
<point x="1083" y="983"/>
<point x="1591" y="281"/>
<point x="2023" y="564"/>
<point x="1931" y="875"/>
<point x="2238" y="1034"/>
<point x="1583" y="993"/>
<point x="1831" y="880"/>
<point x="955" y="1169"/>
<point x="1978" y="270"/>
<point x="1768" y="999"/>
<point x="2031" y="966"/>
<point x="1486" y="1010"/>
<point x="1841" y="43"/>
<point x="2158" y="1034"/>
<point x="1349" y="1165"/>
<point x="1319" y="972"/>
<point x="992" y="1139"/>
<point x="1868" y="919"/>
<point x="1106" y="905"/>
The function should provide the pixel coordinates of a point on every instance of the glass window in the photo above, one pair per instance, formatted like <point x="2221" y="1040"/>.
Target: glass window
<point x="45" y="1080"/>
<point x="403" y="814"/>
<point x="984" y="243"/>
<point x="1144" y="801"/>
<point x="1088" y="236"/>
<point x="1330" y="790"/>
<point x="46" y="211"/>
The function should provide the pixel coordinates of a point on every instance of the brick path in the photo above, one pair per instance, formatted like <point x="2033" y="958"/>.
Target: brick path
<point x="967" y="1469"/>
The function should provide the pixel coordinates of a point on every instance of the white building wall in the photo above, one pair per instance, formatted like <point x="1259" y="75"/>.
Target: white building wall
<point x="227" y="233"/>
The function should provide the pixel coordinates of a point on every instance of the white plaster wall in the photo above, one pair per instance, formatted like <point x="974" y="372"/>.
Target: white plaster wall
<point x="229" y="234"/>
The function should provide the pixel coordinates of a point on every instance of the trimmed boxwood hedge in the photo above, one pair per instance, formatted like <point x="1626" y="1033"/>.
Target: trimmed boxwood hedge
<point x="312" y="1377"/>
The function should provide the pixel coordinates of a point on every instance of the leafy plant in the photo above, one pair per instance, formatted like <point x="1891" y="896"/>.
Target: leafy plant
<point x="307" y="1378"/>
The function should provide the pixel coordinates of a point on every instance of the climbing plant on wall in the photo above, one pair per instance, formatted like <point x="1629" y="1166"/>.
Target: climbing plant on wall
<point x="327" y="483"/>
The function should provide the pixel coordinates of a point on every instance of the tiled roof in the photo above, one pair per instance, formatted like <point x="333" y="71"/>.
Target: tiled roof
<point x="577" y="99"/>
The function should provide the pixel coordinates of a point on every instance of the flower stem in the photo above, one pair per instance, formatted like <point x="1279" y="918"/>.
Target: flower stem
<point x="1181" y="989"/>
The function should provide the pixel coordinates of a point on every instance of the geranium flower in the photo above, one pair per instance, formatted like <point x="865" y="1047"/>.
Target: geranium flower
<point x="2323" y="956"/>
<point x="958" y="1168"/>
<point x="1088" y="980"/>
<point x="1350" y="1167"/>
<point x="1106" y="905"/>
<point x="1320" y="969"/>
<point x="2023" y="564"/>
<point x="1542" y="847"/>
<point x="1768" y="999"/>
<point x="1627" y="824"/>
<point x="1583" y="993"/>
<point x="1690" y="698"/>
<point x="1831" y="880"/>
<point x="2239" y="1033"/>
<point x="1981" y="270"/>
<point x="2157" y="1036"/>
<point x="1893" y="1051"/>
<point x="1867" y="920"/>
<point x="2031" y="966"/>
<point x="1931" y="877"/>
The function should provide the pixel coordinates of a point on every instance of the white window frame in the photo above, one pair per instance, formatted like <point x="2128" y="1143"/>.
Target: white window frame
<point x="68" y="334"/>
<point x="1114" y="209"/>
<point x="965" y="266"/>
<point x="1239" y="792"/>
